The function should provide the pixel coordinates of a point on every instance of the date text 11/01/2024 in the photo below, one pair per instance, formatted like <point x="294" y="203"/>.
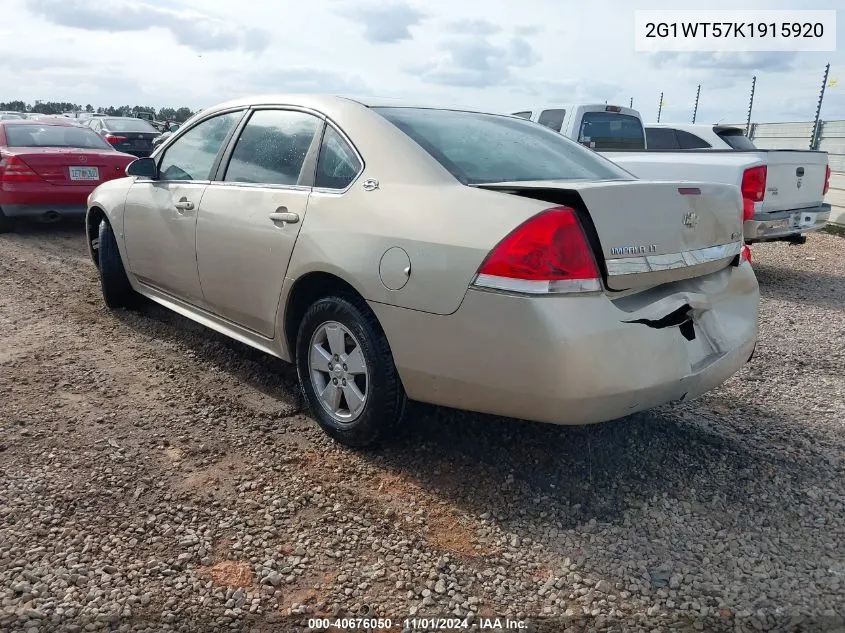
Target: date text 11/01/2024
<point x="415" y="624"/>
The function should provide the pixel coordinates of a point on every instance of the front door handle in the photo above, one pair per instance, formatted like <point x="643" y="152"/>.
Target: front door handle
<point x="184" y="205"/>
<point x="284" y="217"/>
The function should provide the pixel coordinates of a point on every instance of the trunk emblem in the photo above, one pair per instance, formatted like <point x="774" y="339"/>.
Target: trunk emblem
<point x="634" y="250"/>
<point x="798" y="183"/>
<point x="82" y="159"/>
<point x="691" y="219"/>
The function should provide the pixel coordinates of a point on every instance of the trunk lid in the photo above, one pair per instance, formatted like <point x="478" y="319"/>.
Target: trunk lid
<point x="73" y="166"/>
<point x="651" y="233"/>
<point x="794" y="179"/>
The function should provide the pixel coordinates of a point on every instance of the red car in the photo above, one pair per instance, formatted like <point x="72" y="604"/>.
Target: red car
<point x="48" y="168"/>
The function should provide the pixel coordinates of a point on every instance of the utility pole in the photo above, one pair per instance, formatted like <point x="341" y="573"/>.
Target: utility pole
<point x="750" y="106"/>
<point x="695" y="109"/>
<point x="814" y="139"/>
<point x="660" y="107"/>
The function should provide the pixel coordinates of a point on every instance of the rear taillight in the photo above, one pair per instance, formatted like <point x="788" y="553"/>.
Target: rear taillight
<point x="753" y="189"/>
<point x="548" y="253"/>
<point x="826" y="180"/>
<point x="13" y="169"/>
<point x="114" y="139"/>
<point x="745" y="254"/>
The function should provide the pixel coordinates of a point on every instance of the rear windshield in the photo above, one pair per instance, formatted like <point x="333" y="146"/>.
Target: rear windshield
<point x="611" y="130"/>
<point x="735" y="138"/>
<point x="54" y="136"/>
<point x="128" y="125"/>
<point x="486" y="148"/>
<point x="11" y="115"/>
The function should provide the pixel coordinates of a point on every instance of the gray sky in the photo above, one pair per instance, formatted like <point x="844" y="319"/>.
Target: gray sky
<point x="492" y="54"/>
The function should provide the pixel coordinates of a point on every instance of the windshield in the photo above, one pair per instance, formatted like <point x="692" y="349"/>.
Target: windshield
<point x="128" y="125"/>
<point x="54" y="136"/>
<point x="486" y="148"/>
<point x="611" y="130"/>
<point x="735" y="138"/>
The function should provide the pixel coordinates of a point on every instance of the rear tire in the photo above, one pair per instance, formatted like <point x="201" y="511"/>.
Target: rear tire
<point x="6" y="223"/>
<point x="334" y="330"/>
<point x="117" y="292"/>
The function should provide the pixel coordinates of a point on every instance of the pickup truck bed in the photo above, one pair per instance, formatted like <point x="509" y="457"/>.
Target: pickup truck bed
<point x="792" y="196"/>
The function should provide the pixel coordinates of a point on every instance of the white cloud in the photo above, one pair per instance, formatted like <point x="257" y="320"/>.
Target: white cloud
<point x="488" y="54"/>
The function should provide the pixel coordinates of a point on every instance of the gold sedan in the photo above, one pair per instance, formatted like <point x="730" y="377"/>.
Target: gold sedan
<point x="460" y="258"/>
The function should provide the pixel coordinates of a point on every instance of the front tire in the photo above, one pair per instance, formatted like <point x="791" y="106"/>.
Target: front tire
<point x="346" y="372"/>
<point x="117" y="292"/>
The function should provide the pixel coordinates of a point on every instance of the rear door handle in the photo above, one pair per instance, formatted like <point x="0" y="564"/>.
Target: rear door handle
<point x="184" y="205"/>
<point x="285" y="217"/>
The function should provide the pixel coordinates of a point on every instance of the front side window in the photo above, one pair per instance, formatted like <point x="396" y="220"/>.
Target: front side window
<point x="192" y="156"/>
<point x="611" y="130"/>
<point x="481" y="148"/>
<point x="272" y="147"/>
<point x="54" y="136"/>
<point x="552" y="119"/>
<point x="338" y="165"/>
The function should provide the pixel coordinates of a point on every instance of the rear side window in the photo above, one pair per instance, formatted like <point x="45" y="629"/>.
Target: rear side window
<point x="611" y="130"/>
<point x="661" y="138"/>
<point x="481" y="148"/>
<point x="272" y="147"/>
<point x="522" y="115"/>
<point x="735" y="138"/>
<point x="128" y="125"/>
<point x="552" y="119"/>
<point x="54" y="136"/>
<point x="338" y="165"/>
<point x="690" y="141"/>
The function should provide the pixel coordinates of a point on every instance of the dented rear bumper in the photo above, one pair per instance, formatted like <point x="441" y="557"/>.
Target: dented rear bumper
<point x="781" y="224"/>
<point x="578" y="359"/>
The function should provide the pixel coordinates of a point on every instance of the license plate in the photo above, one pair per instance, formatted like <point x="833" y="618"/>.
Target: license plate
<point x="84" y="173"/>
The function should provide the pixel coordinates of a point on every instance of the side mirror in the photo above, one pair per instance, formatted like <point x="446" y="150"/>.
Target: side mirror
<point x="143" y="168"/>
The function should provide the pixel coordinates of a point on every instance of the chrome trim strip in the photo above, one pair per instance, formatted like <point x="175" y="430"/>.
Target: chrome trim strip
<point x="671" y="261"/>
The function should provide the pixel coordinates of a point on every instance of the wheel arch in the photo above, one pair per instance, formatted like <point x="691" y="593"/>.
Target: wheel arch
<point x="304" y="291"/>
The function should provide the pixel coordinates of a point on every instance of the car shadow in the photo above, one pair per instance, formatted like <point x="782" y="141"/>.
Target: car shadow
<point x="266" y="374"/>
<point x="803" y="286"/>
<point x="68" y="228"/>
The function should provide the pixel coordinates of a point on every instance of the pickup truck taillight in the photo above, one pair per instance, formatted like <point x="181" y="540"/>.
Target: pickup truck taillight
<point x="826" y="180"/>
<point x="753" y="189"/>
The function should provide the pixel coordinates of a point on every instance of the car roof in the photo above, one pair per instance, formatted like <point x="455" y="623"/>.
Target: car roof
<point x="319" y="101"/>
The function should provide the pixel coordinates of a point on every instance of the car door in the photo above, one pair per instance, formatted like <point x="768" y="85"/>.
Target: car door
<point x="250" y="218"/>
<point x="160" y="216"/>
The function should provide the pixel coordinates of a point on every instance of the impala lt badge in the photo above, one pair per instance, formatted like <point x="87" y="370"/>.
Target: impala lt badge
<point x="633" y="250"/>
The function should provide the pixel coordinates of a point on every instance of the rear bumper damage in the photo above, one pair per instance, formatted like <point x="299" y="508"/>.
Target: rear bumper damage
<point x="578" y="359"/>
<point x="781" y="224"/>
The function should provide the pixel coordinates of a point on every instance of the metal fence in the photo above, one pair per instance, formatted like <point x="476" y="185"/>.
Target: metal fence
<point x="831" y="139"/>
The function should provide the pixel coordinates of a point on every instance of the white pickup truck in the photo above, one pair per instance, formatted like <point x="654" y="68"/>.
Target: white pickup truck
<point x="783" y="190"/>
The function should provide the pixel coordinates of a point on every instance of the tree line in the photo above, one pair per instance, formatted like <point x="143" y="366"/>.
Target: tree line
<point x="58" y="107"/>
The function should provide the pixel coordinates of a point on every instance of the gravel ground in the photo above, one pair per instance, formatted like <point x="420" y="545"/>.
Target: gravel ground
<point x="156" y="476"/>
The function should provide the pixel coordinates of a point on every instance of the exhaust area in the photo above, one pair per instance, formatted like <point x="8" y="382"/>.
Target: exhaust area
<point x="50" y="217"/>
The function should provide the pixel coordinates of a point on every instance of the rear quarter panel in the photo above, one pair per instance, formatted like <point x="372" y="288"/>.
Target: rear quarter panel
<point x="446" y="231"/>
